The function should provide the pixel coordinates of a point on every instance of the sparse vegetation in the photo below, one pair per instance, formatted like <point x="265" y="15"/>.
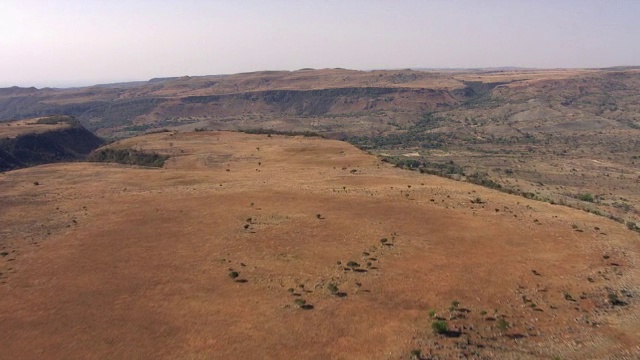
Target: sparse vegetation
<point x="614" y="300"/>
<point x="503" y="324"/>
<point x="632" y="226"/>
<point x="585" y="197"/>
<point x="293" y="256"/>
<point x="439" y="327"/>
<point x="57" y="119"/>
<point x="129" y="157"/>
<point x="281" y="132"/>
<point x="333" y="288"/>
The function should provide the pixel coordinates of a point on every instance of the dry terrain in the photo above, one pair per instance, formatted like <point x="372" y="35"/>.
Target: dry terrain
<point x="557" y="135"/>
<point x="272" y="247"/>
<point x="44" y="140"/>
<point x="14" y="129"/>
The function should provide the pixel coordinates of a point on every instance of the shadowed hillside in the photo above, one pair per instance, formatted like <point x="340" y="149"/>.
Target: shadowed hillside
<point x="44" y="140"/>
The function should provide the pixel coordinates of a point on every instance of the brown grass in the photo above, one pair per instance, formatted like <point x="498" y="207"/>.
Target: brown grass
<point x="30" y="126"/>
<point x="110" y="261"/>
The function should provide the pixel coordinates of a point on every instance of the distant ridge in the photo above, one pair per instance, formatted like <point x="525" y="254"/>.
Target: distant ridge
<point x="499" y="68"/>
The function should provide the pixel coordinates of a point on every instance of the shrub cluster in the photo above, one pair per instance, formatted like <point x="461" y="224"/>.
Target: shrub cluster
<point x="128" y="156"/>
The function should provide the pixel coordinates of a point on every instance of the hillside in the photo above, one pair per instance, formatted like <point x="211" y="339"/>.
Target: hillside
<point x="325" y="100"/>
<point x="122" y="109"/>
<point x="564" y="136"/>
<point x="266" y="246"/>
<point x="43" y="140"/>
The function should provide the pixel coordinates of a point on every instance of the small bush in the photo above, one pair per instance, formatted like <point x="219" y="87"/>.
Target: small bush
<point x="503" y="324"/>
<point x="353" y="264"/>
<point x="615" y="300"/>
<point x="439" y="326"/>
<point x="416" y="353"/>
<point x="333" y="288"/>
<point x="585" y="197"/>
<point x="234" y="274"/>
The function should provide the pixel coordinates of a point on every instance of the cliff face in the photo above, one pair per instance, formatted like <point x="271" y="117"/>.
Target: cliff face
<point x="66" y="144"/>
<point x="107" y="116"/>
<point x="338" y="101"/>
<point x="231" y="101"/>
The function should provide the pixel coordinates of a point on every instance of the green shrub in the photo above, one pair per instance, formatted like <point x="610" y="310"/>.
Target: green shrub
<point x="439" y="326"/>
<point x="128" y="156"/>
<point x="353" y="264"/>
<point x="585" y="197"/>
<point x="333" y="288"/>
<point x="503" y="324"/>
<point x="615" y="300"/>
<point x="416" y="353"/>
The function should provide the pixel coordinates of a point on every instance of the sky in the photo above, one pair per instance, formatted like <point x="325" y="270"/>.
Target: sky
<point x="62" y="43"/>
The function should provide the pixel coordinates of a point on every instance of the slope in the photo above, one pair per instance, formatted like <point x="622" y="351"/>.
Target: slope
<point x="255" y="246"/>
<point x="44" y="140"/>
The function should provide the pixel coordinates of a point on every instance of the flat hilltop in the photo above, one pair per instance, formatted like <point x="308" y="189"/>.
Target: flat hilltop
<point x="42" y="140"/>
<point x="266" y="246"/>
<point x="13" y="129"/>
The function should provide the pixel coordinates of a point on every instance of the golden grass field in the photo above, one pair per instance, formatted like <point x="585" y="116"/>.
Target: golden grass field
<point x="113" y="261"/>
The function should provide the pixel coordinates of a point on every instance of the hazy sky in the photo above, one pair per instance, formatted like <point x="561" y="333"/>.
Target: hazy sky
<point x="83" y="42"/>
